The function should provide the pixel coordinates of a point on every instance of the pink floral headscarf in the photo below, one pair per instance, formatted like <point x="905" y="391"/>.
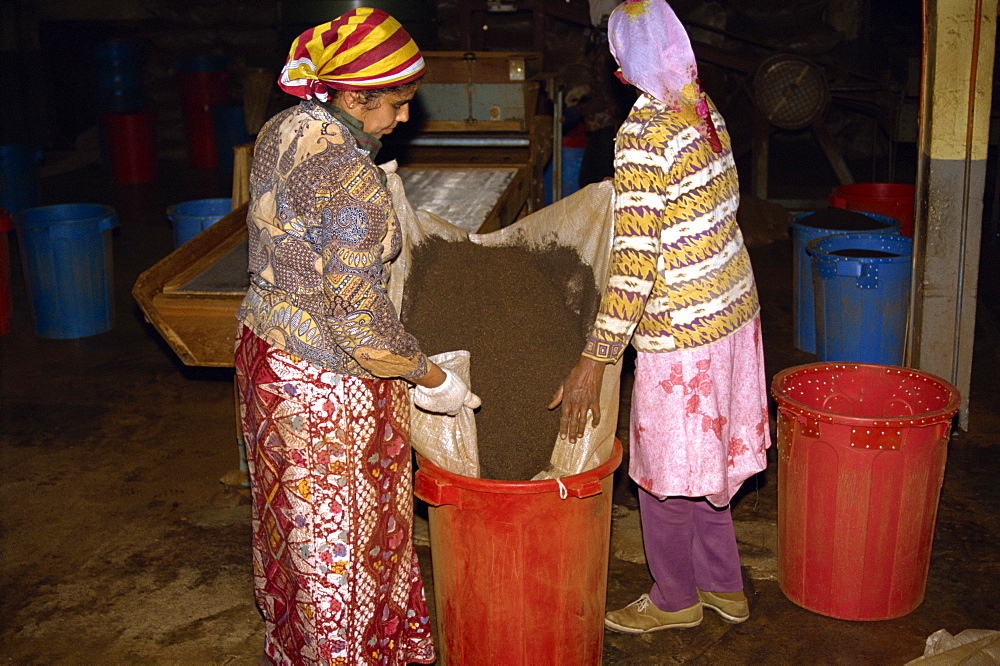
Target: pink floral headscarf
<point x="654" y="54"/>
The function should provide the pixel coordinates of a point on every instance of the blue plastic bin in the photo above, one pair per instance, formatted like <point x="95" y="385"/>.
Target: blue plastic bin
<point x="572" y="162"/>
<point x="118" y="67"/>
<point x="230" y="129"/>
<point x="862" y="287"/>
<point x="802" y="231"/>
<point x="67" y="261"/>
<point x="18" y="177"/>
<point x="192" y="217"/>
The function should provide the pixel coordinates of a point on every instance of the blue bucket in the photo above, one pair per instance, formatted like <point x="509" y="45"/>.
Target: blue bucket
<point x="18" y="177"/>
<point x="192" y="217"/>
<point x="66" y="256"/>
<point x="862" y="287"/>
<point x="809" y="226"/>
<point x="118" y="74"/>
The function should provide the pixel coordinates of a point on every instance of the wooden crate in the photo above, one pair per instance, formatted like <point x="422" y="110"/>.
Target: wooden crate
<point x="485" y="95"/>
<point x="198" y="324"/>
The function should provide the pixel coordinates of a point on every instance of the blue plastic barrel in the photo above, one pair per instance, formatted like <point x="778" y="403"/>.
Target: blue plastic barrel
<point x="862" y="287"/>
<point x="67" y="261"/>
<point x="230" y="130"/>
<point x="807" y="227"/>
<point x="118" y="74"/>
<point x="192" y="217"/>
<point x="18" y="177"/>
<point x="572" y="161"/>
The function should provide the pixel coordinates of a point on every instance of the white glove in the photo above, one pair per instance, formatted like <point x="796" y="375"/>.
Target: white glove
<point x="448" y="398"/>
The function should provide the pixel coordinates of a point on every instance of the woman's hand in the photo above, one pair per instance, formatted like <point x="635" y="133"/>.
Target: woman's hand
<point x="579" y="393"/>
<point x="433" y="378"/>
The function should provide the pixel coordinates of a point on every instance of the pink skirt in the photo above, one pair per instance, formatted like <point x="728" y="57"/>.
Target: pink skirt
<point x="699" y="423"/>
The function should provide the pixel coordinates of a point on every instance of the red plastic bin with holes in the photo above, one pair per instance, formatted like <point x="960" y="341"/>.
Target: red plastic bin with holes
<point x="520" y="567"/>
<point x="861" y="457"/>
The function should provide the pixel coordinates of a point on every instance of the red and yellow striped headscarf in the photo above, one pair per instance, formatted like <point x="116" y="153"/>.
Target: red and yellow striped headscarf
<point x="361" y="50"/>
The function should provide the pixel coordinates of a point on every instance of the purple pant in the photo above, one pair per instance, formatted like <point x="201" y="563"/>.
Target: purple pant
<point x="690" y="545"/>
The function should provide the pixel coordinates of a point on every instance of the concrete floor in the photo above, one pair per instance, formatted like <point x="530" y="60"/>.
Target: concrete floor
<point x="121" y="544"/>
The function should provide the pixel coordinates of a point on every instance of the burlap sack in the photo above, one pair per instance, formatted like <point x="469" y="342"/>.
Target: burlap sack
<point x="582" y="221"/>
<point x="448" y="441"/>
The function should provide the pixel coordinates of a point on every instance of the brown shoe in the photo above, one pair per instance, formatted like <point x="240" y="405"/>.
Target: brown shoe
<point x="732" y="606"/>
<point x="642" y="617"/>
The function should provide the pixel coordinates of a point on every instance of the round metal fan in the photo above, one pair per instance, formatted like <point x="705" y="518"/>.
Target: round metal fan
<point x="790" y="91"/>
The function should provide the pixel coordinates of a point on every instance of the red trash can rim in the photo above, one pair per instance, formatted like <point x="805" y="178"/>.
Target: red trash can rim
<point x="522" y="487"/>
<point x="875" y="190"/>
<point x="786" y="401"/>
<point x="6" y="224"/>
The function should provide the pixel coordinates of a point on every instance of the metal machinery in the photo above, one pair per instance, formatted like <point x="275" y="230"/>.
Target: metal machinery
<point x="476" y="160"/>
<point x="478" y="112"/>
<point x="790" y="92"/>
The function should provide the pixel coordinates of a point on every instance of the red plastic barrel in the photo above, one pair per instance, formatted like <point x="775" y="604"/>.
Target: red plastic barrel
<point x="520" y="568"/>
<point x="861" y="456"/>
<point x="200" y="90"/>
<point x="892" y="199"/>
<point x="5" y="226"/>
<point x="131" y="147"/>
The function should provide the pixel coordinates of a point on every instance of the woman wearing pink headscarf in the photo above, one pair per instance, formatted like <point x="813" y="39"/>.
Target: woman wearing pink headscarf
<point x="682" y="292"/>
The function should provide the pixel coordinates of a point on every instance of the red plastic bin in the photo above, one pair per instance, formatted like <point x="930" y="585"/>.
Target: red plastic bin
<point x="861" y="457"/>
<point x="520" y="568"/>
<point x="200" y="91"/>
<point x="132" y="147"/>
<point x="894" y="200"/>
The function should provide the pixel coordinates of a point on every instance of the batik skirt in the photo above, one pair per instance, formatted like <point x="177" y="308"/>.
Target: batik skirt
<point x="335" y="572"/>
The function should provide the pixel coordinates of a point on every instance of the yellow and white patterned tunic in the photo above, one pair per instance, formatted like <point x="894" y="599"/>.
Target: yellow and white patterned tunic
<point x="680" y="276"/>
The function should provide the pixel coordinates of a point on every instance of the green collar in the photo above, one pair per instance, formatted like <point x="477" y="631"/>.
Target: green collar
<point x="365" y="141"/>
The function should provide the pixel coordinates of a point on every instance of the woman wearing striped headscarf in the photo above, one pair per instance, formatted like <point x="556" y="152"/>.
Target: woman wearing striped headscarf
<point x="682" y="293"/>
<point x="324" y="365"/>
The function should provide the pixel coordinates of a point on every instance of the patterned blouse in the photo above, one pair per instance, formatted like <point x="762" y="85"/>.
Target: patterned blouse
<point x="321" y="225"/>
<point x="680" y="274"/>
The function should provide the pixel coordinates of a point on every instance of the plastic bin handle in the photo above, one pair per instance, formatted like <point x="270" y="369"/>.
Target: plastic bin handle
<point x="110" y="222"/>
<point x="435" y="492"/>
<point x="849" y="268"/>
<point x="585" y="489"/>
